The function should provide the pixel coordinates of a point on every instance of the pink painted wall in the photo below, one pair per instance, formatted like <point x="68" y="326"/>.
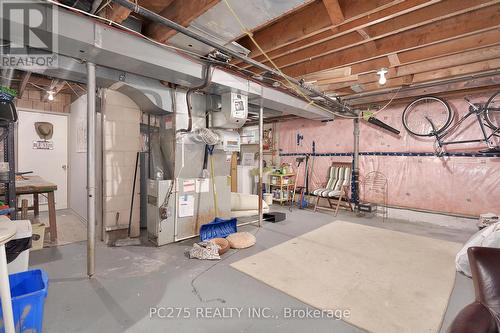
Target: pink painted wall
<point x="459" y="185"/>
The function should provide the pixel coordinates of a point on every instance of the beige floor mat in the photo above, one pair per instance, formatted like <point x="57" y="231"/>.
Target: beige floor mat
<point x="391" y="282"/>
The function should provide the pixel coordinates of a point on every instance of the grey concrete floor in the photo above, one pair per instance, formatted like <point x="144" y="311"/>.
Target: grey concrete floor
<point x="130" y="281"/>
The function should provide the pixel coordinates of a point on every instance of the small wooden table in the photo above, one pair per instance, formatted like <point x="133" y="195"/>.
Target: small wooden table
<point x="35" y="185"/>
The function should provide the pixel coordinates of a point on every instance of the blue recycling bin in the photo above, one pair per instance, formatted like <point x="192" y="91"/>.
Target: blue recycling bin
<point x="28" y="290"/>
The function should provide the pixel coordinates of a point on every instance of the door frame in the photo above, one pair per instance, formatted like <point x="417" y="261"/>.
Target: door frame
<point x="16" y="140"/>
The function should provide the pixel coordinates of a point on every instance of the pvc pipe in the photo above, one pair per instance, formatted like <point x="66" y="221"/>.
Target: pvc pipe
<point x="8" y="316"/>
<point x="91" y="100"/>
<point x="261" y="153"/>
<point x="134" y="7"/>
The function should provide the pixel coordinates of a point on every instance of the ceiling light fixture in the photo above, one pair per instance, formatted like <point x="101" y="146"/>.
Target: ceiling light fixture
<point x="382" y="79"/>
<point x="51" y="95"/>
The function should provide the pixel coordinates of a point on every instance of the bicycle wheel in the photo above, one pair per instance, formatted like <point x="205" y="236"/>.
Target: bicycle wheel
<point x="492" y="114"/>
<point x="426" y="116"/>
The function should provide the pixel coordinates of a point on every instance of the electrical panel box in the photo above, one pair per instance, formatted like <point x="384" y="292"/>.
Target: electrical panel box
<point x="230" y="141"/>
<point x="234" y="111"/>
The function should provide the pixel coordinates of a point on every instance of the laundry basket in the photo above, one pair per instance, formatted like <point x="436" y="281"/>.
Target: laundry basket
<point x="28" y="290"/>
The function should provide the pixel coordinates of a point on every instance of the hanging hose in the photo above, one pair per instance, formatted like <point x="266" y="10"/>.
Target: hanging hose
<point x="206" y="82"/>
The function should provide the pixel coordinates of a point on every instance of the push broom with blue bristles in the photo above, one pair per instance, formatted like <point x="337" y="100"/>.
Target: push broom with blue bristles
<point x="218" y="228"/>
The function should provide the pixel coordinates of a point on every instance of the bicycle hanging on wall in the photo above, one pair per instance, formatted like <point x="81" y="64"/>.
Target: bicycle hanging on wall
<point x="430" y="116"/>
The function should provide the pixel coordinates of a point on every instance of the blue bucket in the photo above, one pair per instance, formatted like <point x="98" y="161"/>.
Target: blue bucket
<point x="28" y="291"/>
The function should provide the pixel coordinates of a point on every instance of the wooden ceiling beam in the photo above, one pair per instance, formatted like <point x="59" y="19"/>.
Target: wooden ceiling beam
<point x="452" y="65"/>
<point x="311" y="20"/>
<point x="467" y="84"/>
<point x="182" y="12"/>
<point x="23" y="84"/>
<point x="473" y="68"/>
<point x="334" y="11"/>
<point x="419" y="18"/>
<point x="307" y="27"/>
<point x="451" y="47"/>
<point x="435" y="64"/>
<point x="454" y="27"/>
<point x="468" y="49"/>
<point x="480" y="68"/>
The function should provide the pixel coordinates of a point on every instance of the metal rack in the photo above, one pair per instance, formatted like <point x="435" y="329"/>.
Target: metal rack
<point x="8" y="156"/>
<point x="375" y="190"/>
<point x="283" y="184"/>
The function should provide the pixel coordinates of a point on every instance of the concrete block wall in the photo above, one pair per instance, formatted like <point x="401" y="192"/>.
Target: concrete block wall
<point x="121" y="142"/>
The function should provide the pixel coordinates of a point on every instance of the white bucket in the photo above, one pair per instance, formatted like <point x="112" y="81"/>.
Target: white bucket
<point x="20" y="264"/>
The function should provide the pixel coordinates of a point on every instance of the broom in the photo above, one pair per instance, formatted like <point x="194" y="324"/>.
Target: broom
<point x="218" y="228"/>
<point x="131" y="241"/>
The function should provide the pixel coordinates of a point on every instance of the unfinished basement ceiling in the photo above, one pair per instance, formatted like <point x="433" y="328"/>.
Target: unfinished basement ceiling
<point x="339" y="45"/>
<point x="218" y="24"/>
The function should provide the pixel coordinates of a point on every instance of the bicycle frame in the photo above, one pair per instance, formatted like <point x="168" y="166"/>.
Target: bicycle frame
<point x="473" y="110"/>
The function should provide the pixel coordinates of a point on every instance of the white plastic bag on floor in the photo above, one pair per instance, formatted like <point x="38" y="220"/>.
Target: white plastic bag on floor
<point x="487" y="237"/>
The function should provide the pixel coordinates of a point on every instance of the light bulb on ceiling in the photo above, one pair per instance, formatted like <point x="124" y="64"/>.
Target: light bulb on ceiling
<point x="51" y="95"/>
<point x="382" y="79"/>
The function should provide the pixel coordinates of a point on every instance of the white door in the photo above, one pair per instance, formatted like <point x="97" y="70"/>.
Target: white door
<point x="50" y="164"/>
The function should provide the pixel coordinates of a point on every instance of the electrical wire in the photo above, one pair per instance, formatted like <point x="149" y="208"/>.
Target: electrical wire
<point x="70" y="87"/>
<point x="37" y="86"/>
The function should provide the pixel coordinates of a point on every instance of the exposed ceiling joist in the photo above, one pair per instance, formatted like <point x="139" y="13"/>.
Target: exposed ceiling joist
<point x="451" y="47"/>
<point x="307" y="22"/>
<point x="435" y="64"/>
<point x="458" y="26"/>
<point x="466" y="83"/>
<point x="419" y="18"/>
<point x="311" y="26"/>
<point x="23" y="84"/>
<point x="477" y="67"/>
<point x="394" y="59"/>
<point x="334" y="11"/>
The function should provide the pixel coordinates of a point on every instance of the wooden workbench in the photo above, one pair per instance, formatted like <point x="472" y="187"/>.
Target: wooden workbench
<point x="35" y="185"/>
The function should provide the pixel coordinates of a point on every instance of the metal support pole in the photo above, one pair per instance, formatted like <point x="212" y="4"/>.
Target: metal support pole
<point x="261" y="153"/>
<point x="91" y="100"/>
<point x="355" y="163"/>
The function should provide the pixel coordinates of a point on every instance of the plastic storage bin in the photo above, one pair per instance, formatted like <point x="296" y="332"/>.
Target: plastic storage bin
<point x="28" y="290"/>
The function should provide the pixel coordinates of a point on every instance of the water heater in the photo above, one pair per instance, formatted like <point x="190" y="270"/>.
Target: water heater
<point x="234" y="111"/>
